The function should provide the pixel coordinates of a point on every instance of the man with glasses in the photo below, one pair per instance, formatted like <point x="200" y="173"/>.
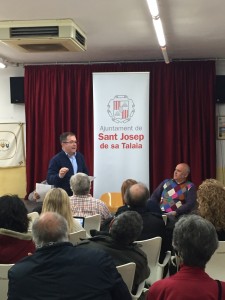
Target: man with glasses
<point x="66" y="163"/>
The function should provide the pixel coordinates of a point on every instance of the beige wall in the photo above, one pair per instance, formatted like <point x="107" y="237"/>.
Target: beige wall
<point x="13" y="181"/>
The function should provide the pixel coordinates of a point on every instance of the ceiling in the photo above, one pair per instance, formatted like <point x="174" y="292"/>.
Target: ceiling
<point x="122" y="30"/>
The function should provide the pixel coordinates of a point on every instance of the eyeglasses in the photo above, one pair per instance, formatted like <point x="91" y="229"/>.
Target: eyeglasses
<point x="71" y="142"/>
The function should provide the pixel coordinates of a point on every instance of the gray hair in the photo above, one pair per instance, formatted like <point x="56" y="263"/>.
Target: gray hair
<point x="80" y="184"/>
<point x="50" y="228"/>
<point x="137" y="195"/>
<point x="195" y="240"/>
<point x="127" y="227"/>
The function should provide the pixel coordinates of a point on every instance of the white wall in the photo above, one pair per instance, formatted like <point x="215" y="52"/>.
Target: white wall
<point x="12" y="180"/>
<point x="10" y="112"/>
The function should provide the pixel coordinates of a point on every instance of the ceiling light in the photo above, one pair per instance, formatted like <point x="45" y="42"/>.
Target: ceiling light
<point x="2" y="63"/>
<point x="165" y="55"/>
<point x="153" y="7"/>
<point x="159" y="31"/>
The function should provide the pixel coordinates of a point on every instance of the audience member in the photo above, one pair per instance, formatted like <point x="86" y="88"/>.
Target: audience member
<point x="136" y="197"/>
<point x="105" y="225"/>
<point x="211" y="200"/>
<point x="58" y="270"/>
<point x="177" y="196"/>
<point x="57" y="200"/>
<point x="66" y="163"/>
<point x="127" y="183"/>
<point x="34" y="196"/>
<point x="15" y="241"/>
<point x="195" y="240"/>
<point x="82" y="203"/>
<point x="124" y="230"/>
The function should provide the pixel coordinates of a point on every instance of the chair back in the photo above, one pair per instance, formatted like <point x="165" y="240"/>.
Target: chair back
<point x="4" y="268"/>
<point x="92" y="222"/>
<point x="32" y="216"/>
<point x="75" y="237"/>
<point x="152" y="248"/>
<point x="216" y="265"/>
<point x="164" y="219"/>
<point x="127" y="272"/>
<point x="113" y="200"/>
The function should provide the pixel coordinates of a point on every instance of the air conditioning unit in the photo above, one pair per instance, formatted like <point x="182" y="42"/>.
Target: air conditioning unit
<point x="43" y="35"/>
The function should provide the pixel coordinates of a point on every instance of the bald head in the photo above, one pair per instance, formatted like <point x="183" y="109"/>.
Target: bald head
<point x="50" y="227"/>
<point x="137" y="195"/>
<point x="181" y="172"/>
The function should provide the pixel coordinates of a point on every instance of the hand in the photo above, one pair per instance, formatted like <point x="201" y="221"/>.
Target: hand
<point x="62" y="172"/>
<point x="172" y="213"/>
<point x="36" y="196"/>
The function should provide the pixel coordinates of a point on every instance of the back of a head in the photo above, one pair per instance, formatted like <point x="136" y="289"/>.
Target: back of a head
<point x="126" y="227"/>
<point x="13" y="213"/>
<point x="137" y="195"/>
<point x="80" y="184"/>
<point x="57" y="200"/>
<point x="195" y="240"/>
<point x="211" y="200"/>
<point x="127" y="183"/>
<point x="50" y="228"/>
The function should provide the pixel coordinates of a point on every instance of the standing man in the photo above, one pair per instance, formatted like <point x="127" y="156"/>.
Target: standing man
<point x="177" y="196"/>
<point x="66" y="163"/>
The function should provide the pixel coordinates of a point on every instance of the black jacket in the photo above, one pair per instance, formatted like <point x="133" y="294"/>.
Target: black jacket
<point x="122" y="254"/>
<point x="62" y="271"/>
<point x="59" y="161"/>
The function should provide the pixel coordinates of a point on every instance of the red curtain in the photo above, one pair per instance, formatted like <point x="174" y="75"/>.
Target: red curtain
<point x="182" y="115"/>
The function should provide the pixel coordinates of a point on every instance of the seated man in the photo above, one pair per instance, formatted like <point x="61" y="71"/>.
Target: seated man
<point x="82" y="203"/>
<point x="177" y="196"/>
<point x="136" y="197"/>
<point x="58" y="270"/>
<point x="194" y="240"/>
<point x="124" y="230"/>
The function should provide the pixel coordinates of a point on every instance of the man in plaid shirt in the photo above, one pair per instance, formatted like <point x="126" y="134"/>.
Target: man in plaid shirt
<point x="82" y="202"/>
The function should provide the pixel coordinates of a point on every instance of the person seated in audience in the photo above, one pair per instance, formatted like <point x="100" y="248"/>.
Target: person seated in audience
<point x="34" y="196"/>
<point x="194" y="240"/>
<point x="211" y="201"/>
<point x="15" y="241"/>
<point x="58" y="270"/>
<point x="176" y="196"/>
<point x="82" y="203"/>
<point x="57" y="200"/>
<point x="136" y="197"/>
<point x="126" y="183"/>
<point x="124" y="230"/>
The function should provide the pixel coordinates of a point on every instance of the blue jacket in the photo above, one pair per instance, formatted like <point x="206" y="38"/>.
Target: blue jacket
<point x="62" y="271"/>
<point x="59" y="161"/>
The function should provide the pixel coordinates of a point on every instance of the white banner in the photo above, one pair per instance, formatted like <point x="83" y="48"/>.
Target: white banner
<point x="11" y="145"/>
<point x="121" y="130"/>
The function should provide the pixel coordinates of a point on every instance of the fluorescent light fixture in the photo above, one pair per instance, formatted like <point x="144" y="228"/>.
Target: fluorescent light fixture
<point x="2" y="64"/>
<point x="165" y="55"/>
<point x="159" y="32"/>
<point x="153" y="7"/>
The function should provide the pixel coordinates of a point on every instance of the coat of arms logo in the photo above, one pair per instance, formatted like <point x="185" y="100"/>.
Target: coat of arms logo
<point x="121" y="109"/>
